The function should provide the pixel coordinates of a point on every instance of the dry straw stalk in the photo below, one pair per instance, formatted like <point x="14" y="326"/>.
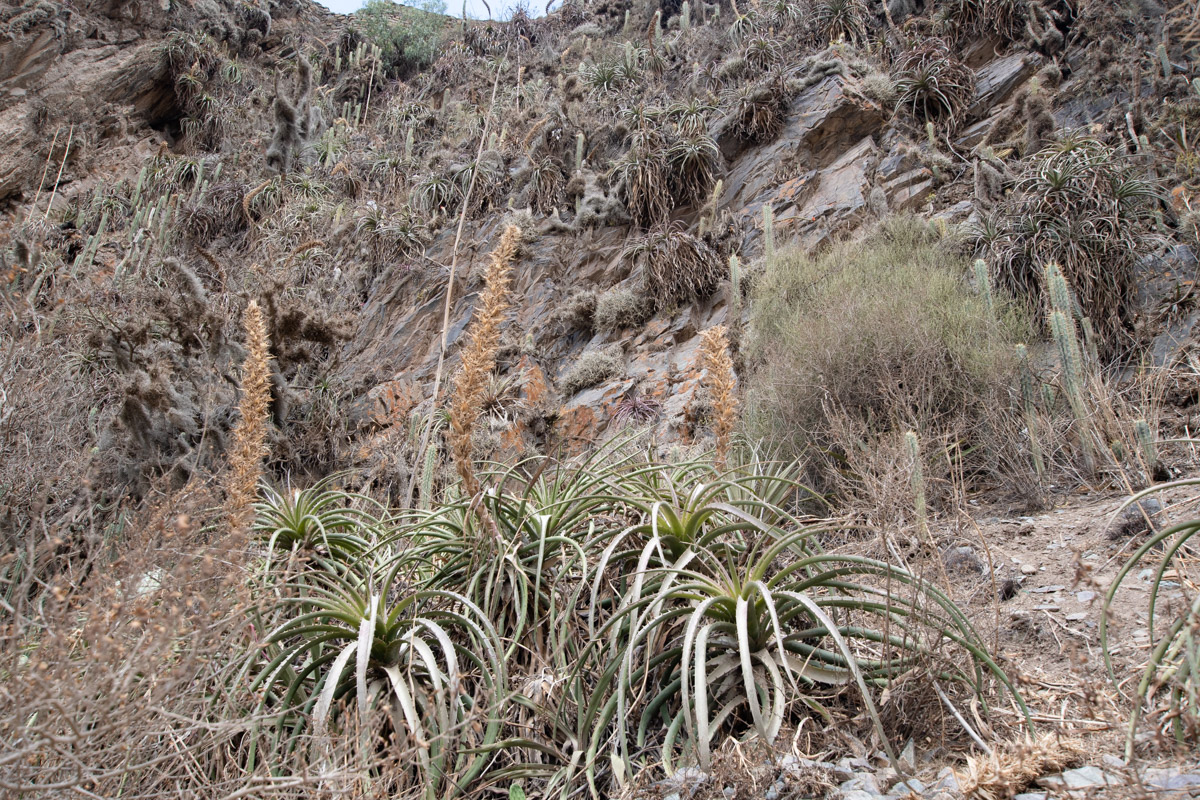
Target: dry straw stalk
<point x="722" y="387"/>
<point x="1010" y="770"/>
<point x="250" y="433"/>
<point x="479" y="356"/>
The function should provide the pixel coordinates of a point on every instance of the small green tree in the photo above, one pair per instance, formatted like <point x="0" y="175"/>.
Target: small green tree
<point x="406" y="34"/>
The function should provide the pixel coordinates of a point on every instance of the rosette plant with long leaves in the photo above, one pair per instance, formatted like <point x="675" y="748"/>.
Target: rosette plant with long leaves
<point x="431" y="657"/>
<point x="319" y="520"/>
<point x="1173" y="668"/>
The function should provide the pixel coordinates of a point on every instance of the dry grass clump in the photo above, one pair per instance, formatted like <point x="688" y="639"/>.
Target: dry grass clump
<point x="1009" y="770"/>
<point x="125" y="684"/>
<point x="578" y="312"/>
<point x="250" y="433"/>
<point x="621" y="308"/>
<point x="1080" y="204"/>
<point x="676" y="266"/>
<point x="722" y="387"/>
<point x="883" y="331"/>
<point x="479" y="356"/>
<point x="592" y="368"/>
<point x="934" y="84"/>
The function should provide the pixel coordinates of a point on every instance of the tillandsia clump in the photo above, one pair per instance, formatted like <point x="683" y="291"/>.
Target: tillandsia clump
<point x="934" y="84"/>
<point x="1082" y="205"/>
<point x="676" y="266"/>
<point x="617" y="606"/>
<point x="1168" y="694"/>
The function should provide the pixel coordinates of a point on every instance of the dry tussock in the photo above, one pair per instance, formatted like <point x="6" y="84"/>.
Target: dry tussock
<point x="127" y="682"/>
<point x="1011" y="769"/>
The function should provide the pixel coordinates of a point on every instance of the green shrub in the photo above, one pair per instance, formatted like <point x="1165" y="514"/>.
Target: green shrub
<point x="884" y="331"/>
<point x="406" y="34"/>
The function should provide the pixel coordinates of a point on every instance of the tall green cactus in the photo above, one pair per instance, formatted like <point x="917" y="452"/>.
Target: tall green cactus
<point x="735" y="282"/>
<point x="1063" y="330"/>
<point x="768" y="226"/>
<point x="1148" y="447"/>
<point x="983" y="284"/>
<point x="917" y="479"/>
<point x="137" y="188"/>
<point x="1029" y="410"/>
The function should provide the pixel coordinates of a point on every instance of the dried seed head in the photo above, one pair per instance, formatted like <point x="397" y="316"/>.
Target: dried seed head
<point x="250" y="433"/>
<point x="479" y="356"/>
<point x="722" y="386"/>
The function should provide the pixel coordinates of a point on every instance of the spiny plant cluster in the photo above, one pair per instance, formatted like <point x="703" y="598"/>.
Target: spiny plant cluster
<point x="614" y="615"/>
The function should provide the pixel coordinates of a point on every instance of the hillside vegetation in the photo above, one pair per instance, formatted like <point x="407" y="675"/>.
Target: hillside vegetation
<point x="588" y="404"/>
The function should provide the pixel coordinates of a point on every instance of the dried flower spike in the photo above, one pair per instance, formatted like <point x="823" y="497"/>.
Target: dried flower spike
<point x="722" y="386"/>
<point x="250" y="433"/>
<point x="479" y="356"/>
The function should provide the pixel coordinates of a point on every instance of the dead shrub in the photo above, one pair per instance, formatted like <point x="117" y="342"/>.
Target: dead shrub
<point x="124" y="682"/>
<point x="676" y="266"/>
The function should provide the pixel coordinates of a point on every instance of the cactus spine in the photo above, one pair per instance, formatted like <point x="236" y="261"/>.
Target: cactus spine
<point x="685" y="16"/>
<point x="579" y="143"/>
<point x="1029" y="410"/>
<point x="768" y="224"/>
<point x="1059" y="292"/>
<point x="983" y="284"/>
<point x="1147" y="446"/>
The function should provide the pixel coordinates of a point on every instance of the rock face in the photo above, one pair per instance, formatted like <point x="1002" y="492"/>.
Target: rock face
<point x="839" y="162"/>
<point x="125" y="79"/>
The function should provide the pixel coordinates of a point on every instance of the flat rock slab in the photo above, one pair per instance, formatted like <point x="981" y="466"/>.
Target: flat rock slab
<point x="1083" y="778"/>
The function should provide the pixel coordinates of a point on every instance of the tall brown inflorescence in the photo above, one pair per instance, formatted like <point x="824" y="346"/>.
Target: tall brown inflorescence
<point x="479" y="356"/>
<point x="722" y="386"/>
<point x="250" y="433"/>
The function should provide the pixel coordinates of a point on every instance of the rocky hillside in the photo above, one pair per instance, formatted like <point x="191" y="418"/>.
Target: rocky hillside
<point x="165" y="164"/>
<point x="151" y="189"/>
